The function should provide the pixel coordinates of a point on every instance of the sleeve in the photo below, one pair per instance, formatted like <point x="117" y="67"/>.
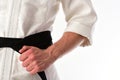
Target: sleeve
<point x="80" y="17"/>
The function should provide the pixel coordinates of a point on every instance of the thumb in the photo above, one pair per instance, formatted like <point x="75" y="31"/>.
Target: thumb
<point x="24" y="48"/>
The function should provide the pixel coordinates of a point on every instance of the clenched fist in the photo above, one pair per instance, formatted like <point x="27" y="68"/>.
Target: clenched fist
<point x="35" y="59"/>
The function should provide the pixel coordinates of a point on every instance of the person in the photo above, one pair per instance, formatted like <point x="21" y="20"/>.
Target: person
<point x="26" y="48"/>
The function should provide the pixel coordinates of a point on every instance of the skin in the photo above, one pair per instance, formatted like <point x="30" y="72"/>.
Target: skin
<point x="37" y="60"/>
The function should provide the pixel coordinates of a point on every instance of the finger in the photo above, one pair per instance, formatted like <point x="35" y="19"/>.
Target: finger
<point x="25" y="55"/>
<point x="38" y="68"/>
<point x="34" y="70"/>
<point x="30" y="67"/>
<point x="27" y="62"/>
<point x="24" y="48"/>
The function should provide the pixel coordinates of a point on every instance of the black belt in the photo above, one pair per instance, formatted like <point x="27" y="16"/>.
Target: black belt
<point x="41" y="40"/>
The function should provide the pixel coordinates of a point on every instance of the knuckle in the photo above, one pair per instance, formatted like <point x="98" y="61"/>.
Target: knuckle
<point x="32" y="57"/>
<point x="36" y="63"/>
<point x="28" y="69"/>
<point x="31" y="50"/>
<point x="22" y="57"/>
<point x="24" y="47"/>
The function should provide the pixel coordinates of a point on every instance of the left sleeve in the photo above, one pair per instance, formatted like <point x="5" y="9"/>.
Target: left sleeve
<point x="80" y="17"/>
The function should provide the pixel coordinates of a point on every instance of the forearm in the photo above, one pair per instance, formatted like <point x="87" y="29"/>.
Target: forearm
<point x="41" y="59"/>
<point x="68" y="41"/>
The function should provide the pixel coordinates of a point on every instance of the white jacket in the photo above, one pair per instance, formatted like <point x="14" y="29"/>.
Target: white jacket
<point x="19" y="18"/>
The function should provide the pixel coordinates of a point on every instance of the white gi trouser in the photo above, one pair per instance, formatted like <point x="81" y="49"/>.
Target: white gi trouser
<point x="20" y="18"/>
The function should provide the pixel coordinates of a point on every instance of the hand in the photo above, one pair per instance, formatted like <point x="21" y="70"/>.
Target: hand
<point x="34" y="59"/>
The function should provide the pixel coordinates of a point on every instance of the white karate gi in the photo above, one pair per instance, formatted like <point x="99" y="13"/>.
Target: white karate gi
<point x="19" y="18"/>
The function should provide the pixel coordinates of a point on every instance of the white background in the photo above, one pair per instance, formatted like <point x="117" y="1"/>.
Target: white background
<point x="101" y="61"/>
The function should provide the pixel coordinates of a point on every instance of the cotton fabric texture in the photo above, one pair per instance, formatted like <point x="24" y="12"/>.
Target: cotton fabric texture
<point x="20" y="18"/>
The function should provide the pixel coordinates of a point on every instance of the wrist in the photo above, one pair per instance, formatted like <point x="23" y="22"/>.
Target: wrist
<point x="51" y="50"/>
